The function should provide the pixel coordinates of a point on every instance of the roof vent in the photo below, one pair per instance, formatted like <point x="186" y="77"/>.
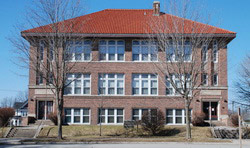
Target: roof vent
<point x="156" y="8"/>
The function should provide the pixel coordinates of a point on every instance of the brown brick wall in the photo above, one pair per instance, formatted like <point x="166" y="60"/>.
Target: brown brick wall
<point x="128" y="101"/>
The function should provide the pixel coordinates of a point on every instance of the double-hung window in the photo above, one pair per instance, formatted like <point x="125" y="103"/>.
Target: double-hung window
<point x="215" y="79"/>
<point x="41" y="50"/>
<point x="204" y="53"/>
<point x="138" y="113"/>
<point x="145" y="84"/>
<point x="176" y="116"/>
<point x="204" y="79"/>
<point x="181" y="51"/>
<point x="144" y="50"/>
<point x="111" y="50"/>
<point x="77" y="115"/>
<point x="179" y="82"/>
<point x="111" y="116"/>
<point x="78" y="84"/>
<point x="215" y="51"/>
<point x="78" y="50"/>
<point x="111" y="84"/>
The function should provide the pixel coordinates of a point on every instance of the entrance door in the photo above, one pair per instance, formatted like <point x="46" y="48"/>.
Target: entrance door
<point x="41" y="109"/>
<point x="44" y="109"/>
<point x="211" y="110"/>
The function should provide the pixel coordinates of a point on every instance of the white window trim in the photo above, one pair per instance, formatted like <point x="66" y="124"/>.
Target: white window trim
<point x="175" y="93"/>
<point x="72" y="85"/>
<point x="116" y="49"/>
<point x="81" y="116"/>
<point x="215" y="48"/>
<point x="106" y="116"/>
<point x="140" y="79"/>
<point x="173" y="58"/>
<point x="203" y="79"/>
<point x="106" y="79"/>
<point x="149" y="45"/>
<point x="216" y="79"/>
<point x="183" y="116"/>
<point x="82" y="54"/>
<point x="202" y="52"/>
<point x="140" y="112"/>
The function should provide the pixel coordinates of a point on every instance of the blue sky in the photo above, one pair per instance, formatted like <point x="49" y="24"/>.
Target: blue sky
<point x="232" y="15"/>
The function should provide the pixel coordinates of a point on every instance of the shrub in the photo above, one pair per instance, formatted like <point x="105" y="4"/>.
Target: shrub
<point x="153" y="121"/>
<point x="53" y="118"/>
<point x="198" y="119"/>
<point x="5" y="115"/>
<point x="234" y="119"/>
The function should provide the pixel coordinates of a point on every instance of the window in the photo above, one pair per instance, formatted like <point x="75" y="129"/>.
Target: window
<point x="179" y="82"/>
<point x="78" y="84"/>
<point x="111" y="84"/>
<point x="204" y="79"/>
<point x="144" y="50"/>
<point x="176" y="116"/>
<point x="204" y="53"/>
<point x="138" y="113"/>
<point x="215" y="79"/>
<point x="39" y="78"/>
<point x="111" y="116"/>
<point x="145" y="84"/>
<point x="179" y="52"/>
<point x="215" y="52"/>
<point x="77" y="115"/>
<point x="78" y="50"/>
<point x="111" y="50"/>
<point x="41" y="50"/>
<point x="51" y="50"/>
<point x="24" y="113"/>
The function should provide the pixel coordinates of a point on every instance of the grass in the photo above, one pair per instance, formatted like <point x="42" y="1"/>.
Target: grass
<point x="3" y="130"/>
<point x="90" y="133"/>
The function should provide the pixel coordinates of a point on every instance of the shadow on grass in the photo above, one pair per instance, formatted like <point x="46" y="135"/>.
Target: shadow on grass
<point x="169" y="132"/>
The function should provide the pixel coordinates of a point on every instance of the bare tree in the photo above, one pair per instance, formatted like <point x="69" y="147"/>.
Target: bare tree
<point x="9" y="101"/>
<point x="243" y="82"/>
<point x="186" y="44"/>
<point x="47" y="48"/>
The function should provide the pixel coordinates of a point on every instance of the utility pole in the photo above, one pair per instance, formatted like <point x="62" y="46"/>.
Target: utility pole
<point x="240" y="130"/>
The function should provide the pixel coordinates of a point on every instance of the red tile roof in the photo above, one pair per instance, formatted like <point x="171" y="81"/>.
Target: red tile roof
<point x="127" y="21"/>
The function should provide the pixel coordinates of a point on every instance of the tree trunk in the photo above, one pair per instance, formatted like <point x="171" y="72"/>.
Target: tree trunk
<point x="59" y="115"/>
<point x="188" y="127"/>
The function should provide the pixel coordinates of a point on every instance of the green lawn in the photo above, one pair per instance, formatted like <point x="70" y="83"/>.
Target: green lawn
<point x="118" y="133"/>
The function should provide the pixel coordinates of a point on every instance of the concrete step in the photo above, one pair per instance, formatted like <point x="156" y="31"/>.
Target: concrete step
<point x="45" y="122"/>
<point x="25" y="133"/>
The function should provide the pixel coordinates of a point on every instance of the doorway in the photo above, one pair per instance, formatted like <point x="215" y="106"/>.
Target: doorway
<point x="44" y="109"/>
<point x="211" y="110"/>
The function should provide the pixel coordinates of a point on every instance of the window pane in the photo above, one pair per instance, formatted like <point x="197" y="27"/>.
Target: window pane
<point x="120" y="43"/>
<point x="154" y="83"/>
<point x="111" y="91"/>
<point x="86" y="57"/>
<point x="77" y="119"/>
<point x="153" y="91"/>
<point x="86" y="83"/>
<point x="68" y="119"/>
<point x="85" y="111"/>
<point x="136" y="42"/>
<point x="101" y="111"/>
<point x="178" y="112"/>
<point x="136" y="49"/>
<point x="112" y="42"/>
<point x="145" y="83"/>
<point x="119" y="119"/>
<point x="144" y="91"/>
<point x="77" y="90"/>
<point x="76" y="111"/>
<point x="119" y="75"/>
<point x="67" y="111"/>
<point x="85" y="119"/>
<point x="135" y="57"/>
<point x="135" y="90"/>
<point x="120" y="57"/>
<point x="169" y="112"/>
<point x="111" y="76"/>
<point x="86" y="90"/>
<point x="169" y="120"/>
<point x="178" y="120"/>
<point x="135" y="112"/>
<point x="111" y="83"/>
<point x="119" y="90"/>
<point x="136" y="83"/>
<point x="111" y="120"/>
<point x="144" y="75"/>
<point x="102" y="42"/>
<point x="119" y="111"/>
<point x="111" y="112"/>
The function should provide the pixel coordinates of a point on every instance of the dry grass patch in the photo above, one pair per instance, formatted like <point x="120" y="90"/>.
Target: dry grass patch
<point x="90" y="133"/>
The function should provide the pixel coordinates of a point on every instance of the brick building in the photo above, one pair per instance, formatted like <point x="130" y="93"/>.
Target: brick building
<point x="119" y="83"/>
